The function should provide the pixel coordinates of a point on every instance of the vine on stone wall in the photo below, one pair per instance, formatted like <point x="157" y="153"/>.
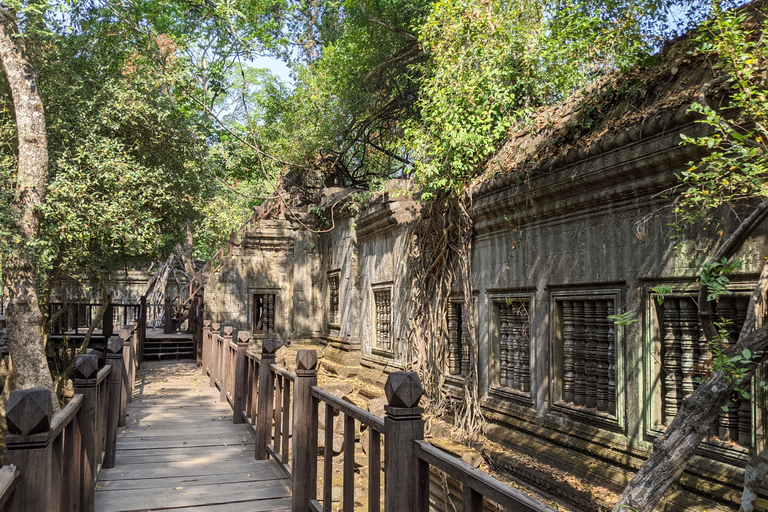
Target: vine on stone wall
<point x="439" y="265"/>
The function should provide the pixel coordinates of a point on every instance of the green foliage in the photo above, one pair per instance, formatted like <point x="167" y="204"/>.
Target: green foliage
<point x="661" y="291"/>
<point x="714" y="275"/>
<point x="477" y="79"/>
<point x="735" y="166"/>
<point x="626" y="319"/>
<point x="490" y="63"/>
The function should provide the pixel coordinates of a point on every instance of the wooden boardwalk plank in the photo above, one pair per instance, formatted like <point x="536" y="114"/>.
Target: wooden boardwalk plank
<point x="181" y="451"/>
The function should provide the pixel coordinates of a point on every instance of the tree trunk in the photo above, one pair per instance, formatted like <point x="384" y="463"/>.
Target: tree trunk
<point x="25" y="321"/>
<point x="754" y="476"/>
<point x="697" y="414"/>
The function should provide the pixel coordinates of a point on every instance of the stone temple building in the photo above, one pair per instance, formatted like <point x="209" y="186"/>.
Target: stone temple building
<point x="573" y="224"/>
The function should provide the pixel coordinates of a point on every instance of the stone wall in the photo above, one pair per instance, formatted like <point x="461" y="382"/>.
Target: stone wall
<point x="554" y="255"/>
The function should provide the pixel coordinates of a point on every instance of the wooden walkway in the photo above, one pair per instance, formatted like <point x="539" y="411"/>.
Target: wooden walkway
<point x="181" y="451"/>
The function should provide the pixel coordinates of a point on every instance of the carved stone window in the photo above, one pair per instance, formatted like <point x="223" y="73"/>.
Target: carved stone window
<point x="264" y="313"/>
<point x="589" y="348"/>
<point x="334" y="316"/>
<point x="383" y="319"/>
<point x="684" y="357"/>
<point x="587" y="360"/>
<point x="458" y="341"/>
<point x="514" y="344"/>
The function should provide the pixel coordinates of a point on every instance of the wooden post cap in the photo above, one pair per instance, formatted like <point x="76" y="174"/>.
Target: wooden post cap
<point x="206" y="323"/>
<point x="306" y="360"/>
<point x="228" y="330"/>
<point x="114" y="346"/>
<point x="243" y="336"/>
<point x="215" y="326"/>
<point x="86" y="366"/>
<point x="403" y="389"/>
<point x="29" y="411"/>
<point x="268" y="347"/>
<point x="125" y="334"/>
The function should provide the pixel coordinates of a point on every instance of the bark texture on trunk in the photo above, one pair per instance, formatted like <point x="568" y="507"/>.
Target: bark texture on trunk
<point x="25" y="321"/>
<point x="754" y="476"/>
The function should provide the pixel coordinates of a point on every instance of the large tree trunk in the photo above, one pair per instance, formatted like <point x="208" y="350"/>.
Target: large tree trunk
<point x="25" y="321"/>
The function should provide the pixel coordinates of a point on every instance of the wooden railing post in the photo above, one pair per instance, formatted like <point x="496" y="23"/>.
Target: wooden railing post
<point x="241" y="377"/>
<point x="168" y="326"/>
<point x="127" y="387"/>
<point x="115" y="359"/>
<point x="142" y="326"/>
<point x="406" y="487"/>
<point x="266" y="392"/>
<point x="197" y="306"/>
<point x="108" y="320"/>
<point x="206" y="362"/>
<point x="86" y="369"/>
<point x="224" y="359"/>
<point x="29" y="415"/>
<point x="214" y="353"/>
<point x="304" y="465"/>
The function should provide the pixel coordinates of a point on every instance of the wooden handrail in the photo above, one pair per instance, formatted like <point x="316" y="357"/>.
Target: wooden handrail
<point x="9" y="480"/>
<point x="361" y="415"/>
<point x="486" y="485"/>
<point x="57" y="458"/>
<point x="260" y="393"/>
<point x="65" y="416"/>
<point x="279" y="370"/>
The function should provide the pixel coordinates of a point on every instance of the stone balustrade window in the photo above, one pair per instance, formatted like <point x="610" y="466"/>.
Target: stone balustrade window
<point x="514" y="344"/>
<point x="587" y="352"/>
<point x="334" y="316"/>
<point x="685" y="357"/>
<point x="458" y="341"/>
<point x="264" y="313"/>
<point x="383" y="320"/>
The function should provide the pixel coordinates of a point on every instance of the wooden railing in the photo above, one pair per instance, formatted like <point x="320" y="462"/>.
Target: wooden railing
<point x="71" y="321"/>
<point x="51" y="462"/>
<point x="281" y="408"/>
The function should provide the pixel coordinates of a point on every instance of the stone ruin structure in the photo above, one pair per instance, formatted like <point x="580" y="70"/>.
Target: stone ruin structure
<point x="574" y="226"/>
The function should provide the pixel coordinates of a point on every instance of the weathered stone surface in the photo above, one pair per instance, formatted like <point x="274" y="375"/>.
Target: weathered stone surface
<point x="458" y="450"/>
<point x="403" y="389"/>
<point x="29" y="411"/>
<point x="376" y="406"/>
<point x="243" y="336"/>
<point x="86" y="366"/>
